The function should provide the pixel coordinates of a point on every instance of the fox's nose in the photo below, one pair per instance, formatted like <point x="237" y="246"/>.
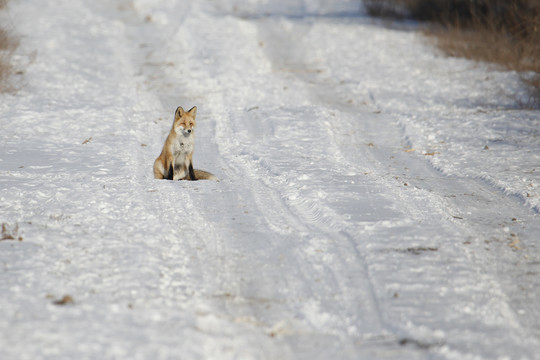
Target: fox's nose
<point x="189" y="130"/>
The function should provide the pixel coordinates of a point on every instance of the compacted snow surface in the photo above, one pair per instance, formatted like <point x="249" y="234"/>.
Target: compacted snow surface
<point x="377" y="200"/>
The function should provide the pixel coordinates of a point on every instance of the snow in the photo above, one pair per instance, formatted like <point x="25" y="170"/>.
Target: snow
<point x="376" y="198"/>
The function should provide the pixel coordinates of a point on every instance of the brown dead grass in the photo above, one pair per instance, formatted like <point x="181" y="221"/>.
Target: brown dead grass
<point x="505" y="32"/>
<point x="522" y="55"/>
<point x="7" y="46"/>
<point x="5" y="69"/>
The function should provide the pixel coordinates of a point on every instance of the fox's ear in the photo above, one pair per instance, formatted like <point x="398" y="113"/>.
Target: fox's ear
<point x="193" y="111"/>
<point x="179" y="112"/>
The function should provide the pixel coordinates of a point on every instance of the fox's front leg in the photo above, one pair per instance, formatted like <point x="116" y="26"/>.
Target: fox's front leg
<point x="191" y="172"/>
<point x="169" y="171"/>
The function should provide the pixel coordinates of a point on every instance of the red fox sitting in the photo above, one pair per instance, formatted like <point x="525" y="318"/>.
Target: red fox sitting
<point x="176" y="159"/>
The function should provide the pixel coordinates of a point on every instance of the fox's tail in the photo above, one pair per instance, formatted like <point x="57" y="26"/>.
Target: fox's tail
<point x="204" y="175"/>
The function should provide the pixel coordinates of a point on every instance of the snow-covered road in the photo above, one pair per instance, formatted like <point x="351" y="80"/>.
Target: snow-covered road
<point x="376" y="199"/>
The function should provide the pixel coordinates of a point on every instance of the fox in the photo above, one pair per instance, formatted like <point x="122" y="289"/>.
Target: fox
<point x="176" y="159"/>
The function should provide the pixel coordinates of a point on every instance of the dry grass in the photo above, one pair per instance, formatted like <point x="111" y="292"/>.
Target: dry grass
<point x="505" y="32"/>
<point x="7" y="45"/>
<point x="522" y="55"/>
<point x="5" y="69"/>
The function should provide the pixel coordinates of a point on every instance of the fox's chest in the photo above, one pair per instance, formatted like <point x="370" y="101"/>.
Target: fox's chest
<point x="184" y="145"/>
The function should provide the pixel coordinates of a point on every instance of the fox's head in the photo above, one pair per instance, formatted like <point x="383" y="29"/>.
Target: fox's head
<point x="184" y="122"/>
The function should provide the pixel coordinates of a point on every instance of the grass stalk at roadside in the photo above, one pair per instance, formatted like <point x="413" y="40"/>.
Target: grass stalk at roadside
<point x="505" y="32"/>
<point x="7" y="46"/>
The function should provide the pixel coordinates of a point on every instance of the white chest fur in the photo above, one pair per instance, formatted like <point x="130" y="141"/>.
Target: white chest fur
<point x="184" y="145"/>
